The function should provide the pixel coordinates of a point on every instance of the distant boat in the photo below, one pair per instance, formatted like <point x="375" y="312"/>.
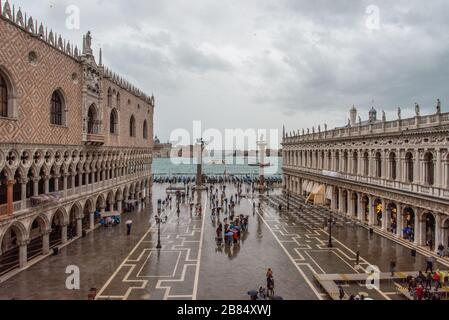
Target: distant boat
<point x="217" y="162"/>
<point x="260" y="165"/>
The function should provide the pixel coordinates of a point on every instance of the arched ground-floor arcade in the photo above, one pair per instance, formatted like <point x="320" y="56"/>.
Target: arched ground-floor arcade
<point x="415" y="223"/>
<point x="33" y="236"/>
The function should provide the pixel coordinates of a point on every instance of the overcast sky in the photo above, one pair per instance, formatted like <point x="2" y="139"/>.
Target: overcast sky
<point x="265" y="63"/>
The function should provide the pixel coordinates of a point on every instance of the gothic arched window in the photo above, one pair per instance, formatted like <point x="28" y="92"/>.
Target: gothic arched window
<point x="109" y="97"/>
<point x="118" y="99"/>
<point x="92" y="120"/>
<point x="132" y="126"/>
<point x="113" y="122"/>
<point x="57" y="109"/>
<point x="8" y="96"/>
<point x="145" y="130"/>
<point x="3" y="97"/>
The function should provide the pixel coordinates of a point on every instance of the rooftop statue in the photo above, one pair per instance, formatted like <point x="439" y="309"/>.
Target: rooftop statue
<point x="372" y="115"/>
<point x="417" y="109"/>
<point x="88" y="40"/>
<point x="438" y="106"/>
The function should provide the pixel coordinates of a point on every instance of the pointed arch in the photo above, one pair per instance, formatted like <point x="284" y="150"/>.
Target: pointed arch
<point x="132" y="126"/>
<point x="145" y="130"/>
<point x="118" y="99"/>
<point x="109" y="97"/>
<point x="58" y="108"/>
<point x="93" y="120"/>
<point x="113" y="122"/>
<point x="43" y="221"/>
<point x="8" y="95"/>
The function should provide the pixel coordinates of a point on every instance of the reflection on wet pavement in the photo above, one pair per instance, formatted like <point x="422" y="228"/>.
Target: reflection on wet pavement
<point x="191" y="265"/>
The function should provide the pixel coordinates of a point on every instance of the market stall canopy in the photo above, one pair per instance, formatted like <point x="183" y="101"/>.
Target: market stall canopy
<point x="317" y="195"/>
<point x="110" y="214"/>
<point x="329" y="193"/>
<point x="45" y="199"/>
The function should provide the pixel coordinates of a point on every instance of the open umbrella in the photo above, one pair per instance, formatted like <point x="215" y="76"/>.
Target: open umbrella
<point x="252" y="293"/>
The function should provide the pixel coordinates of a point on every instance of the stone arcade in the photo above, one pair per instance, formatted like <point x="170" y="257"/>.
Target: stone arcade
<point x="389" y="175"/>
<point x="75" y="139"/>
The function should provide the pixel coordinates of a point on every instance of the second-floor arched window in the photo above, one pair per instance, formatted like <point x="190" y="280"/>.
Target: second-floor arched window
<point x="355" y="163"/>
<point x="113" y="122"/>
<point x="378" y="165"/>
<point x="409" y="167"/>
<point x="57" y="109"/>
<point x="392" y="166"/>
<point x="145" y="130"/>
<point x="3" y="97"/>
<point x="429" y="173"/>
<point x="92" y="120"/>
<point x="366" y="164"/>
<point x="132" y="127"/>
<point x="109" y="97"/>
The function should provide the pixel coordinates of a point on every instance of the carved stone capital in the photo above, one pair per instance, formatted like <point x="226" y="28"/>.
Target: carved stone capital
<point x="25" y="242"/>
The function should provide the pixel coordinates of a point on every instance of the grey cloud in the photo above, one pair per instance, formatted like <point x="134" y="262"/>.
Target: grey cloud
<point x="274" y="60"/>
<point x="192" y="58"/>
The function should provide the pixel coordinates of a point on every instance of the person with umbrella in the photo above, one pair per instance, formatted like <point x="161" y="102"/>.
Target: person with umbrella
<point x="129" y="224"/>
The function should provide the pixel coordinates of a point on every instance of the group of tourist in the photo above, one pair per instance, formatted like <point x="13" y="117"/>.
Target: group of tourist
<point x="232" y="230"/>
<point x="426" y="286"/>
<point x="342" y="295"/>
<point x="110" y="221"/>
<point x="232" y="227"/>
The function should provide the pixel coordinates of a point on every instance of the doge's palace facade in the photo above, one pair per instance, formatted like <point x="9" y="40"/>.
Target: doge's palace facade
<point x="392" y="176"/>
<point x="75" y="141"/>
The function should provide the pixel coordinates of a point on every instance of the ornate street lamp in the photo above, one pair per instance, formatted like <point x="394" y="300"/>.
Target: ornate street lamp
<point x="178" y="201"/>
<point x="159" y="206"/>
<point x="159" y="220"/>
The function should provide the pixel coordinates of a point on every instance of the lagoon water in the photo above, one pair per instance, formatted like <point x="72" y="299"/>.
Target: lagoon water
<point x="215" y="166"/>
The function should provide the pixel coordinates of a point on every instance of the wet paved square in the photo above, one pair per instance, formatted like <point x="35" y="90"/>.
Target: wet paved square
<point x="191" y="265"/>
